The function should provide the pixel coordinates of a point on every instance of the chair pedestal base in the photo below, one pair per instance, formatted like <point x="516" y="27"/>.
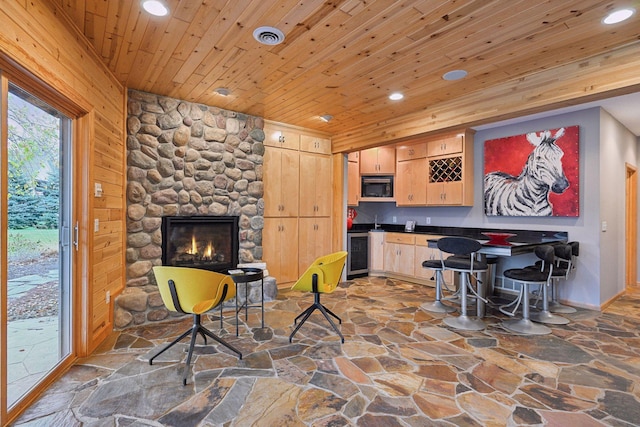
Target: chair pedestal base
<point x="548" y="317"/>
<point x="437" y="307"/>
<point x="525" y="326"/>
<point x="325" y="312"/>
<point x="464" y="322"/>
<point x="556" y="307"/>
<point x="196" y="329"/>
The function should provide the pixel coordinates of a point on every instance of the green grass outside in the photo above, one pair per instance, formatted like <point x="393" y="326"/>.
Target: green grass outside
<point x="31" y="243"/>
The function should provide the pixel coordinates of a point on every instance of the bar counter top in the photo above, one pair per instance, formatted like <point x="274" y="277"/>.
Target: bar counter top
<point x="505" y="242"/>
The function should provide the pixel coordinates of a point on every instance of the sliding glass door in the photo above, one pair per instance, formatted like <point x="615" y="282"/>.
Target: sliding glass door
<point x="37" y="205"/>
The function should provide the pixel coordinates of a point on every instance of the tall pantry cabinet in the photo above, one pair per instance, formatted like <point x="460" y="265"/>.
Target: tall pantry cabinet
<point x="297" y="171"/>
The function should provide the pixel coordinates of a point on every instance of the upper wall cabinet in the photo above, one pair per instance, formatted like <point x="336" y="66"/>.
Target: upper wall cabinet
<point x="411" y="175"/>
<point x="410" y="152"/>
<point x="378" y="161"/>
<point x="314" y="144"/>
<point x="448" y="145"/>
<point x="450" y="180"/>
<point x="281" y="137"/>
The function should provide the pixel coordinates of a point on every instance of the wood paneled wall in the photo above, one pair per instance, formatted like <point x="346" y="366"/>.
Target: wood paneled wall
<point x="39" y="45"/>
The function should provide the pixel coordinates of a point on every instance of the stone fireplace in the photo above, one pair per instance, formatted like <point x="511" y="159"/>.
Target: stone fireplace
<point x="185" y="160"/>
<point x="206" y="242"/>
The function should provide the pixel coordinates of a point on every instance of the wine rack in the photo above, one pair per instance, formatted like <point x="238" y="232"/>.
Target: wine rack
<point x="445" y="170"/>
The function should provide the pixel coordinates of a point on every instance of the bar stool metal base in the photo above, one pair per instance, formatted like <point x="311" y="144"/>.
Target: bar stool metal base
<point x="464" y="322"/>
<point x="548" y="317"/>
<point x="525" y="326"/>
<point x="556" y="307"/>
<point x="437" y="307"/>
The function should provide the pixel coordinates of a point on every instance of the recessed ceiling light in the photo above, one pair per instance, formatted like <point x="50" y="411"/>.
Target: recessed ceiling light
<point x="268" y="35"/>
<point x="155" y="7"/>
<point x="222" y="91"/>
<point x="454" y="75"/>
<point x="396" y="96"/>
<point x="618" y="16"/>
<point x="326" y="118"/>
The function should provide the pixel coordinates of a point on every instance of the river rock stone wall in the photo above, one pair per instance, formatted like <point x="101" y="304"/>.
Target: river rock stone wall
<point x="185" y="159"/>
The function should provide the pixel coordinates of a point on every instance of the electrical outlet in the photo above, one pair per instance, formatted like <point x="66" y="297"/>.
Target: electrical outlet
<point x="395" y="219"/>
<point x="428" y="220"/>
<point x="108" y="297"/>
<point x="604" y="225"/>
<point x="97" y="189"/>
<point x="96" y="225"/>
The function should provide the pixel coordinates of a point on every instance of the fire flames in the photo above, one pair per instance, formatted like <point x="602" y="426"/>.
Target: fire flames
<point x="208" y="252"/>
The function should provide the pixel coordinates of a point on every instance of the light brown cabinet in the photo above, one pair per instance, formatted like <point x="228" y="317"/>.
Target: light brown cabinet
<point x="378" y="161"/>
<point x="314" y="240"/>
<point x="281" y="137"/>
<point x="315" y="185"/>
<point x="448" y="145"/>
<point x="298" y="197"/>
<point x="450" y="180"/>
<point x="353" y="183"/>
<point x="410" y="152"/>
<point x="281" y="172"/>
<point x="399" y="253"/>
<point x="315" y="144"/>
<point x="445" y="193"/>
<point x="424" y="253"/>
<point x="280" y="248"/>
<point x="376" y="252"/>
<point x="411" y="182"/>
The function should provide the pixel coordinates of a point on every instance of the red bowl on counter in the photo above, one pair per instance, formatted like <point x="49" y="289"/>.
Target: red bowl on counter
<point x="499" y="239"/>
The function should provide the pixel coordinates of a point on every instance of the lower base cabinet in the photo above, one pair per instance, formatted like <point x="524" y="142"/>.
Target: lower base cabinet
<point x="402" y="254"/>
<point x="399" y="253"/>
<point x="314" y="241"/>
<point x="376" y="252"/>
<point x="280" y="248"/>
<point x="424" y="253"/>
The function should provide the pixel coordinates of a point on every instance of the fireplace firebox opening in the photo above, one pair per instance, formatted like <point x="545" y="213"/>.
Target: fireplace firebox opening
<point x="207" y="242"/>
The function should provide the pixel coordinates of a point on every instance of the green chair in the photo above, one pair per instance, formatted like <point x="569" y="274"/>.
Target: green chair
<point x="193" y="291"/>
<point x="322" y="277"/>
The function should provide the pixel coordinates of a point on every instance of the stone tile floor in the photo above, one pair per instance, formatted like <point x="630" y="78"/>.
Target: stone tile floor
<point x="399" y="366"/>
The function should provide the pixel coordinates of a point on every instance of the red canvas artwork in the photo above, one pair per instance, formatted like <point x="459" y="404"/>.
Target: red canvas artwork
<point x="533" y="174"/>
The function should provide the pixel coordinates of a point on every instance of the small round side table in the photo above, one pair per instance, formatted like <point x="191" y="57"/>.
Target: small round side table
<point x="246" y="275"/>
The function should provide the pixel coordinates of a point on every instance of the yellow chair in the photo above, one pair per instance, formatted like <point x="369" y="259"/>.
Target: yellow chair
<point x="193" y="291"/>
<point x="322" y="277"/>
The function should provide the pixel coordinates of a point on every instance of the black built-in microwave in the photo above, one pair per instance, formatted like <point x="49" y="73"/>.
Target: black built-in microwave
<point x="377" y="186"/>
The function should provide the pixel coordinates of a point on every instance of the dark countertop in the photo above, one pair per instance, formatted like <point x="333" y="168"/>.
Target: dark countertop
<point x="521" y="237"/>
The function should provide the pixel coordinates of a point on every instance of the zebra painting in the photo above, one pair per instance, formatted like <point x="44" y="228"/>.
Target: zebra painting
<point x="528" y="193"/>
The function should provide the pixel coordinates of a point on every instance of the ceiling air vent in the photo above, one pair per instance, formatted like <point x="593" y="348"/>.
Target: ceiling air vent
<point x="268" y="35"/>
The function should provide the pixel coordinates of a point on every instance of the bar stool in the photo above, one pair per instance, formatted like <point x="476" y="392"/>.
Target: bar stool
<point x="562" y="253"/>
<point x="554" y="305"/>
<point x="464" y="262"/>
<point x="529" y="276"/>
<point x="437" y="265"/>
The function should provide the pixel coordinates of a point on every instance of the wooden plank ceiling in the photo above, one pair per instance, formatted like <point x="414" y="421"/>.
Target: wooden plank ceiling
<point x="344" y="57"/>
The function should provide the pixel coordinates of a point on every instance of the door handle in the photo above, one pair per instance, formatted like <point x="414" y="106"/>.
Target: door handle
<point x="75" y="236"/>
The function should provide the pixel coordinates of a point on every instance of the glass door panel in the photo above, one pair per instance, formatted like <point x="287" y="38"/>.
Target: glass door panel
<point x="38" y="242"/>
